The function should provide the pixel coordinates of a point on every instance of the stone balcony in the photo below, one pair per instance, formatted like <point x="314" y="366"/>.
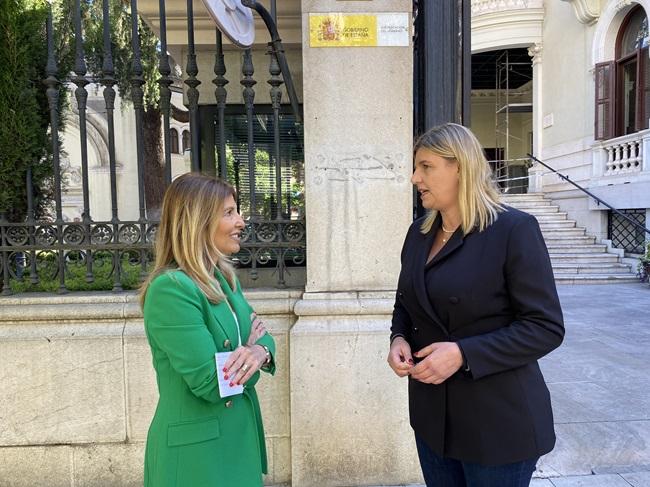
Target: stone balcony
<point x="621" y="170"/>
<point x="622" y="156"/>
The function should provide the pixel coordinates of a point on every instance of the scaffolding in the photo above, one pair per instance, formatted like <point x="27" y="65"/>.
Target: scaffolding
<point x="511" y="170"/>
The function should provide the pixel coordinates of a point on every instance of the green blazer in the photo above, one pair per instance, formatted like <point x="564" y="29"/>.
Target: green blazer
<point x="196" y="438"/>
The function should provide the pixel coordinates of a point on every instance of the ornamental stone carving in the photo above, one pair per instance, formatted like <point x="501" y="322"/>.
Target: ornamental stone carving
<point x="535" y="52"/>
<point x="621" y="4"/>
<point x="587" y="11"/>
<point x="480" y="7"/>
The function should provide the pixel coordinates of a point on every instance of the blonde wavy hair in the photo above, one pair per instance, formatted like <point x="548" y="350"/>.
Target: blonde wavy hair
<point x="191" y="211"/>
<point x="478" y="197"/>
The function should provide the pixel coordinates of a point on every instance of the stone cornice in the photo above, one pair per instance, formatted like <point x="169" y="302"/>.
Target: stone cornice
<point x="346" y="304"/>
<point x="481" y="7"/>
<point x="118" y="307"/>
<point x="507" y="28"/>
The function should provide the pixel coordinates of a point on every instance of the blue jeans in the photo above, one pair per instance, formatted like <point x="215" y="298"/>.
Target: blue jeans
<point x="446" y="472"/>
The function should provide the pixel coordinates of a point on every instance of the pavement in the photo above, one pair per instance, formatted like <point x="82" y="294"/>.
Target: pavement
<point x="600" y="386"/>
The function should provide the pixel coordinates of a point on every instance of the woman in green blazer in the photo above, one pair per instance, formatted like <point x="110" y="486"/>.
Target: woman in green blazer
<point x="193" y="307"/>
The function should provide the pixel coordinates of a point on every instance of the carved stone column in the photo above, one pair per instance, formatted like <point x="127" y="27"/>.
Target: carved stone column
<point x="358" y="111"/>
<point x="535" y="172"/>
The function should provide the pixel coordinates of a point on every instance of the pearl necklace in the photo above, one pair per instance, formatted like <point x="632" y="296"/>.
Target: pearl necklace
<point x="442" y="227"/>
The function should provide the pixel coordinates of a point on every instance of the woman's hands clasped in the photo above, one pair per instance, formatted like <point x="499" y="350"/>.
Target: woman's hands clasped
<point x="247" y="359"/>
<point x="440" y="361"/>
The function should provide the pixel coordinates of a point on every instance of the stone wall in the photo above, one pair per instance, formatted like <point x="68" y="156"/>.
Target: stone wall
<point x="78" y="389"/>
<point x="78" y="392"/>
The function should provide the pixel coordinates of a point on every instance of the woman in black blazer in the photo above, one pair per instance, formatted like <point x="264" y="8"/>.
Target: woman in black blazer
<point x="476" y="308"/>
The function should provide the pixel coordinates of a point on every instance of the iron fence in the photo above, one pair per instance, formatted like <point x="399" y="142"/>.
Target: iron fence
<point x="120" y="251"/>
<point x="623" y="234"/>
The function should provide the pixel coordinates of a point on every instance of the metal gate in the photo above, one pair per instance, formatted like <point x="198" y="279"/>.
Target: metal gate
<point x="258" y="151"/>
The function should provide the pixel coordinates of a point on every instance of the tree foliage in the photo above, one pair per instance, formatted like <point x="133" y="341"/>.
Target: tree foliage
<point x="24" y="114"/>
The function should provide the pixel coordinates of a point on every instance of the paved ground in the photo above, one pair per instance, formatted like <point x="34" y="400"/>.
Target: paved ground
<point x="600" y="385"/>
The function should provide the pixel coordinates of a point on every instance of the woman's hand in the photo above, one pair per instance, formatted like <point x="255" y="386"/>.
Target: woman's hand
<point x="442" y="360"/>
<point x="399" y="357"/>
<point x="258" y="330"/>
<point x="243" y="363"/>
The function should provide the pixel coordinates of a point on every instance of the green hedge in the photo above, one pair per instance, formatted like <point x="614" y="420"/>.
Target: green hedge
<point x="76" y="277"/>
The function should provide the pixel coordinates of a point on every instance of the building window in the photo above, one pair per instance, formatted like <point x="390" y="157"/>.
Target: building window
<point x="278" y="184"/>
<point x="623" y="85"/>
<point x="174" y="140"/>
<point x="186" y="140"/>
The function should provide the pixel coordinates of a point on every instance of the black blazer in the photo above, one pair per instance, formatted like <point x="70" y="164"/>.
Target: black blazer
<point x="495" y="296"/>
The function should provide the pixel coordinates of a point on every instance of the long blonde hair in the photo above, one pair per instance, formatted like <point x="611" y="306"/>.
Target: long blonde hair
<point x="191" y="210"/>
<point x="478" y="197"/>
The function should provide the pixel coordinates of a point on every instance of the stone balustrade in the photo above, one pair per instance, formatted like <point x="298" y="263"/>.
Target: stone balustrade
<point x="622" y="155"/>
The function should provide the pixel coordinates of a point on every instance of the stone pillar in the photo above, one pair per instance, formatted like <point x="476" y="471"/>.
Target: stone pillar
<point x="645" y="153"/>
<point x="349" y="419"/>
<point x="536" y="171"/>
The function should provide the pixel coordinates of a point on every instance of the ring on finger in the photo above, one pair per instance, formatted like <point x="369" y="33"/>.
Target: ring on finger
<point x="245" y="367"/>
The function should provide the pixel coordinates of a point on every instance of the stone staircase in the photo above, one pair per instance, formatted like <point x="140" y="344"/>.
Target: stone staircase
<point x="575" y="256"/>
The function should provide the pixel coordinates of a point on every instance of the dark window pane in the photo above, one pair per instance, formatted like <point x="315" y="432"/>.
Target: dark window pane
<point x="174" y="139"/>
<point x="629" y="97"/>
<point x="291" y="203"/>
<point x="636" y="33"/>
<point x="187" y="145"/>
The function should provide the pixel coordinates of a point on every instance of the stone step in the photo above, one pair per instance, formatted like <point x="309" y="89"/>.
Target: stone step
<point x="520" y="196"/>
<point x="521" y="202"/>
<point x="583" y="258"/>
<point x="541" y="210"/>
<point x="575" y="256"/>
<point x="564" y="232"/>
<point x="591" y="268"/>
<point x="527" y="205"/>
<point x="576" y="249"/>
<point x="597" y="279"/>
<point x="568" y="240"/>
<point x="552" y="217"/>
<point x="546" y="225"/>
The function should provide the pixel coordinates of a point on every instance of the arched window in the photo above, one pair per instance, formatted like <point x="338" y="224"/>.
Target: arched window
<point x="632" y="73"/>
<point x="186" y="140"/>
<point x="174" y="141"/>
<point x="623" y="85"/>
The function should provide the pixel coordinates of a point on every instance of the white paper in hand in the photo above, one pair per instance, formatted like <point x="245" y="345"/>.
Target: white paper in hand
<point x="225" y="389"/>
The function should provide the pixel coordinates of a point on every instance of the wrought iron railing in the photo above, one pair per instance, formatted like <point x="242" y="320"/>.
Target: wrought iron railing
<point x="621" y="215"/>
<point x="120" y="251"/>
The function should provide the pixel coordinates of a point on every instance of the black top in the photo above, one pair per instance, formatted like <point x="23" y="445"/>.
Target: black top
<point x="437" y="288"/>
<point x="492" y="292"/>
